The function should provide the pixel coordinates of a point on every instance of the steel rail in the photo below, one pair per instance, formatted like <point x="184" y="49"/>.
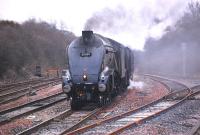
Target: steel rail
<point x="62" y="115"/>
<point x="12" y="85"/>
<point x="27" y="88"/>
<point x="120" y="116"/>
<point x="81" y="122"/>
<point x="195" y="129"/>
<point x="36" y="127"/>
<point x="137" y="122"/>
<point x="34" y="109"/>
<point x="18" y="83"/>
<point x="20" y="93"/>
<point x="29" y="103"/>
<point x="109" y="119"/>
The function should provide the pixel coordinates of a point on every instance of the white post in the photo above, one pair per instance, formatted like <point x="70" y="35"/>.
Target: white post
<point x="183" y="48"/>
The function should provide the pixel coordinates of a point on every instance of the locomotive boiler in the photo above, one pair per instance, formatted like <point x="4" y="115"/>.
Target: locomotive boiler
<point x="98" y="69"/>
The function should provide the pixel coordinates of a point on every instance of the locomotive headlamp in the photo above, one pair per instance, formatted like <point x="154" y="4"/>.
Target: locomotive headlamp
<point x="67" y="88"/>
<point x="102" y="87"/>
<point x="102" y="77"/>
<point x="84" y="77"/>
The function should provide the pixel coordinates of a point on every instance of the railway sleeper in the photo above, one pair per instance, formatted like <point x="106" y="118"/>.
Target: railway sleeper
<point x="193" y="98"/>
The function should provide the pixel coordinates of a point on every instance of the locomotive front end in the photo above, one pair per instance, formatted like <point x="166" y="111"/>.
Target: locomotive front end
<point x="81" y="80"/>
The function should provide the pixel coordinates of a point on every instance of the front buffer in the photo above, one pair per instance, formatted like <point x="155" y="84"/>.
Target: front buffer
<point x="82" y="93"/>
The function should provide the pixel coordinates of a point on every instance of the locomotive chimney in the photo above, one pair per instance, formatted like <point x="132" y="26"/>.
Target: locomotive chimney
<point x="87" y="36"/>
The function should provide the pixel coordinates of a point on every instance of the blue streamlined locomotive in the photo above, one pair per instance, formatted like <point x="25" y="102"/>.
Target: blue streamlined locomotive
<point x="98" y="69"/>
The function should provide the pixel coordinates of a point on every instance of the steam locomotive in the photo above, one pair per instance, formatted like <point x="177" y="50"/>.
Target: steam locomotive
<point x="98" y="69"/>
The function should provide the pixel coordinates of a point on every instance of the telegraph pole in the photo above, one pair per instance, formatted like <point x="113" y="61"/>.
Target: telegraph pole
<point x="183" y="49"/>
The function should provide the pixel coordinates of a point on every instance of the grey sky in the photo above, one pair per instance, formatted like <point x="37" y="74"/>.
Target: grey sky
<point x="140" y="19"/>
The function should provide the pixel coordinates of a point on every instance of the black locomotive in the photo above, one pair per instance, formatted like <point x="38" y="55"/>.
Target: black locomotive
<point x="98" y="69"/>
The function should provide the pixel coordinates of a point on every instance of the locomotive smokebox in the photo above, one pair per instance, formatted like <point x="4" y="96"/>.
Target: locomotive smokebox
<point x="87" y="36"/>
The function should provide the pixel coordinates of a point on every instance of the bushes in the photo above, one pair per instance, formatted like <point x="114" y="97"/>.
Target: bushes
<point x="31" y="43"/>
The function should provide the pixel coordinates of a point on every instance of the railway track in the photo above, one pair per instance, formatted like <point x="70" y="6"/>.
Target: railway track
<point x="22" y="83"/>
<point x="8" y="85"/>
<point x="69" y="122"/>
<point x="118" y="123"/>
<point x="15" y="94"/>
<point x="62" y="123"/>
<point x="22" y="115"/>
<point x="31" y="107"/>
<point x="196" y="129"/>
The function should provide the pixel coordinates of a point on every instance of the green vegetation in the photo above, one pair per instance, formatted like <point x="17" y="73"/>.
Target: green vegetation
<point x="23" y="46"/>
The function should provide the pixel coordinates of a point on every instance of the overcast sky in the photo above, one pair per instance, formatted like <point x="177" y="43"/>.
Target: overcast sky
<point x="127" y="21"/>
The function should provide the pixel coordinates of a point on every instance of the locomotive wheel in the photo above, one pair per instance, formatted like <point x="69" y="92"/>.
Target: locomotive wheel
<point x="105" y="100"/>
<point x="75" y="104"/>
<point x="108" y="99"/>
<point x="117" y="83"/>
<point x="100" y="104"/>
<point x="102" y="101"/>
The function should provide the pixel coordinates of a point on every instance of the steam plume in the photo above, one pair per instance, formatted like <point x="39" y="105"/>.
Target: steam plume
<point x="134" y="24"/>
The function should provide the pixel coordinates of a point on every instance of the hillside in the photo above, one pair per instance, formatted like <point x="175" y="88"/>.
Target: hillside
<point x="23" y="46"/>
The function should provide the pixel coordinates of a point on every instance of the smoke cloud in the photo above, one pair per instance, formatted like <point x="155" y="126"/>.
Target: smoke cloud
<point x="131" y="24"/>
<point x="110" y="20"/>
